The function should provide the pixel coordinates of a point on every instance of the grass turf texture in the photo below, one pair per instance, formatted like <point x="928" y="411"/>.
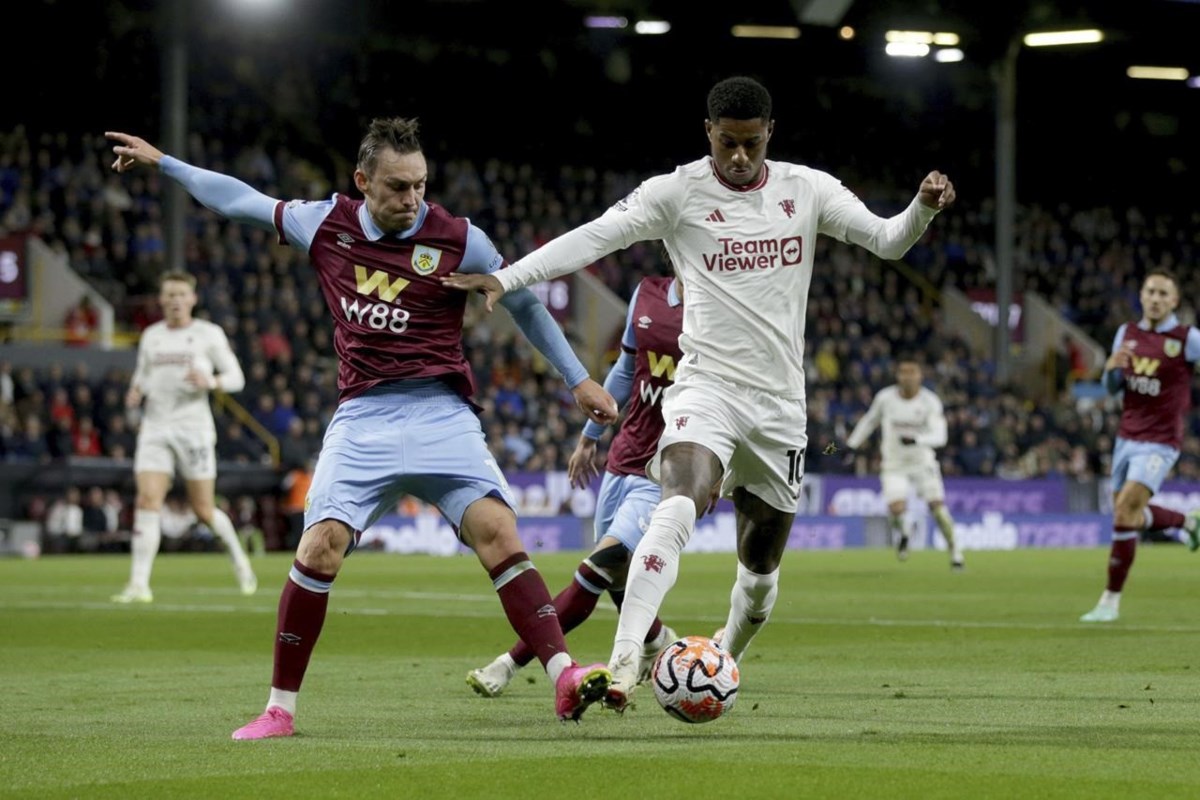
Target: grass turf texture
<point x="873" y="679"/>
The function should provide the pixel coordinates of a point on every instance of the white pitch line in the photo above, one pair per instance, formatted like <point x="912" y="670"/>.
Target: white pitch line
<point x="442" y="611"/>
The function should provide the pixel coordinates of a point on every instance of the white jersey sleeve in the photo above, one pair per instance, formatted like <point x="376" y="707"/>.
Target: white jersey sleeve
<point x="847" y="219"/>
<point x="648" y="212"/>
<point x="867" y="424"/>
<point x="165" y="357"/>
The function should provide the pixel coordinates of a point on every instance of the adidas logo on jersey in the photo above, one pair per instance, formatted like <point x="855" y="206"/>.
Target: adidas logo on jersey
<point x="715" y="216"/>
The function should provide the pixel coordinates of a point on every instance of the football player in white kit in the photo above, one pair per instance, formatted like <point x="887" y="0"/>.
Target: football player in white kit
<point x="912" y="424"/>
<point x="180" y="360"/>
<point x="741" y="232"/>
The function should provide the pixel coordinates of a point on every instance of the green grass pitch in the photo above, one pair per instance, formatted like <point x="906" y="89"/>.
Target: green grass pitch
<point x="873" y="679"/>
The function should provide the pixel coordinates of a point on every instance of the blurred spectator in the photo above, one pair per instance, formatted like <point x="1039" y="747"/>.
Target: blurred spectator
<point x="295" y="487"/>
<point x="95" y="519"/>
<point x="80" y="323"/>
<point x="64" y="523"/>
<point x="86" y="439"/>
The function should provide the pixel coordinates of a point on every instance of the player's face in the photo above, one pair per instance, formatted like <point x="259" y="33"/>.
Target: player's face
<point x="739" y="147"/>
<point x="1159" y="297"/>
<point x="177" y="299"/>
<point x="908" y="377"/>
<point x="395" y="189"/>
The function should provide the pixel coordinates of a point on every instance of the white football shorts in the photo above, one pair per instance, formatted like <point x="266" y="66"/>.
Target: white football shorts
<point x="759" y="437"/>
<point x="192" y="452"/>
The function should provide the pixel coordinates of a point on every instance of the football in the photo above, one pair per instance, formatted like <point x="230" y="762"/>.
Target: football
<point x="695" y="680"/>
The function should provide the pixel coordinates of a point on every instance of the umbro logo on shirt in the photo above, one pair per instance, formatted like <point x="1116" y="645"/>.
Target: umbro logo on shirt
<point x="644" y="322"/>
<point x="715" y="216"/>
<point x="345" y="240"/>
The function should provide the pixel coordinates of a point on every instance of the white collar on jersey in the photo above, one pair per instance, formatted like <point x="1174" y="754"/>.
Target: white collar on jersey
<point x="750" y="187"/>
<point x="374" y="233"/>
<point x="1166" y="325"/>
<point x="673" y="298"/>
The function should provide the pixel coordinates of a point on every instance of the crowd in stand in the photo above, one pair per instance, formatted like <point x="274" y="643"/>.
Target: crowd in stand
<point x="862" y="312"/>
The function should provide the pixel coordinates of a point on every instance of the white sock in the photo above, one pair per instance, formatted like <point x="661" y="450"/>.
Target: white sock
<point x="222" y="526"/>
<point x="652" y="573"/>
<point x="284" y="700"/>
<point x="555" y="666"/>
<point x="750" y="604"/>
<point x="509" y="664"/>
<point x="147" y="533"/>
<point x="1110" y="599"/>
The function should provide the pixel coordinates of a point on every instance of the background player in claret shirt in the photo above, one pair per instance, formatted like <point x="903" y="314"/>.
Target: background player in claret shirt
<point x="180" y="360"/>
<point x="913" y="424"/>
<point x="646" y="366"/>
<point x="741" y="233"/>
<point x="1151" y="368"/>
<point x="404" y="423"/>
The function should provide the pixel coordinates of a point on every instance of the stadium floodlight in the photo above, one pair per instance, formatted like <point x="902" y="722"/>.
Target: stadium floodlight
<point x="1052" y="38"/>
<point x="605" y="22"/>
<point x="908" y="37"/>
<point x="1194" y="82"/>
<point x="907" y="49"/>
<point x="948" y="55"/>
<point x="1158" y="73"/>
<point x="765" y="31"/>
<point x="846" y="33"/>
<point x="944" y="39"/>
<point x="652" y="27"/>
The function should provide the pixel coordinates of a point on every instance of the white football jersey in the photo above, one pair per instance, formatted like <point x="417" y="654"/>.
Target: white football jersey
<point x="165" y="355"/>
<point x="745" y="255"/>
<point x="921" y="416"/>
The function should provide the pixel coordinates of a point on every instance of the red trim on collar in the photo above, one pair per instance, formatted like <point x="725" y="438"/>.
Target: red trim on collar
<point x="761" y="182"/>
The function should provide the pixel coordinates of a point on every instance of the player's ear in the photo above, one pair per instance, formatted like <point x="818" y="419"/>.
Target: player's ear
<point x="770" y="128"/>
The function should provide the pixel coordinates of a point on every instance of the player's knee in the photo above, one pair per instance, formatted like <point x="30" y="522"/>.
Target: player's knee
<point x="323" y="545"/>
<point x="148" y="502"/>
<point x="613" y="559"/>
<point x="1128" y="516"/>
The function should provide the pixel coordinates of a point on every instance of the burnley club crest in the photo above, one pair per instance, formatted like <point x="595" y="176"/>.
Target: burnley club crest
<point x="425" y="259"/>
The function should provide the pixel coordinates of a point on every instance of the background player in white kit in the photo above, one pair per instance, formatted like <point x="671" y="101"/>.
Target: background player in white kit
<point x="180" y="360"/>
<point x="912" y="424"/>
<point x="741" y="232"/>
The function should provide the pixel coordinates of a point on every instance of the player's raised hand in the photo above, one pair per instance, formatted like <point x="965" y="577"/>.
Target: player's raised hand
<point x="936" y="191"/>
<point x="1122" y="358"/>
<point x="582" y="466"/>
<point x="133" y="398"/>
<point x="487" y="285"/>
<point x="132" y="150"/>
<point x="594" y="401"/>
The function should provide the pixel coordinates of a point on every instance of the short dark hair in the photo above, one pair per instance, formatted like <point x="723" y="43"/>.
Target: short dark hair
<point x="907" y="356"/>
<point x="396" y="133"/>
<point x="739" y="98"/>
<point x="1164" y="273"/>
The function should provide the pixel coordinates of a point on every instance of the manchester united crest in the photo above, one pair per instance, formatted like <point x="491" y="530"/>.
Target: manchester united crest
<point x="425" y="259"/>
<point x="1172" y="347"/>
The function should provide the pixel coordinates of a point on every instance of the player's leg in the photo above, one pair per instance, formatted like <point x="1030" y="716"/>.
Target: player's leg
<point x="767" y="469"/>
<point x="1139" y="468"/>
<point x="932" y="490"/>
<point x="302" y="607"/>
<point x="452" y="468"/>
<point x="198" y="467"/>
<point x="489" y="527"/>
<point x="895" y="489"/>
<point x="687" y="472"/>
<point x="762" y="535"/>
<point x="356" y="480"/>
<point x="154" y="471"/>
<point x="705" y="419"/>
